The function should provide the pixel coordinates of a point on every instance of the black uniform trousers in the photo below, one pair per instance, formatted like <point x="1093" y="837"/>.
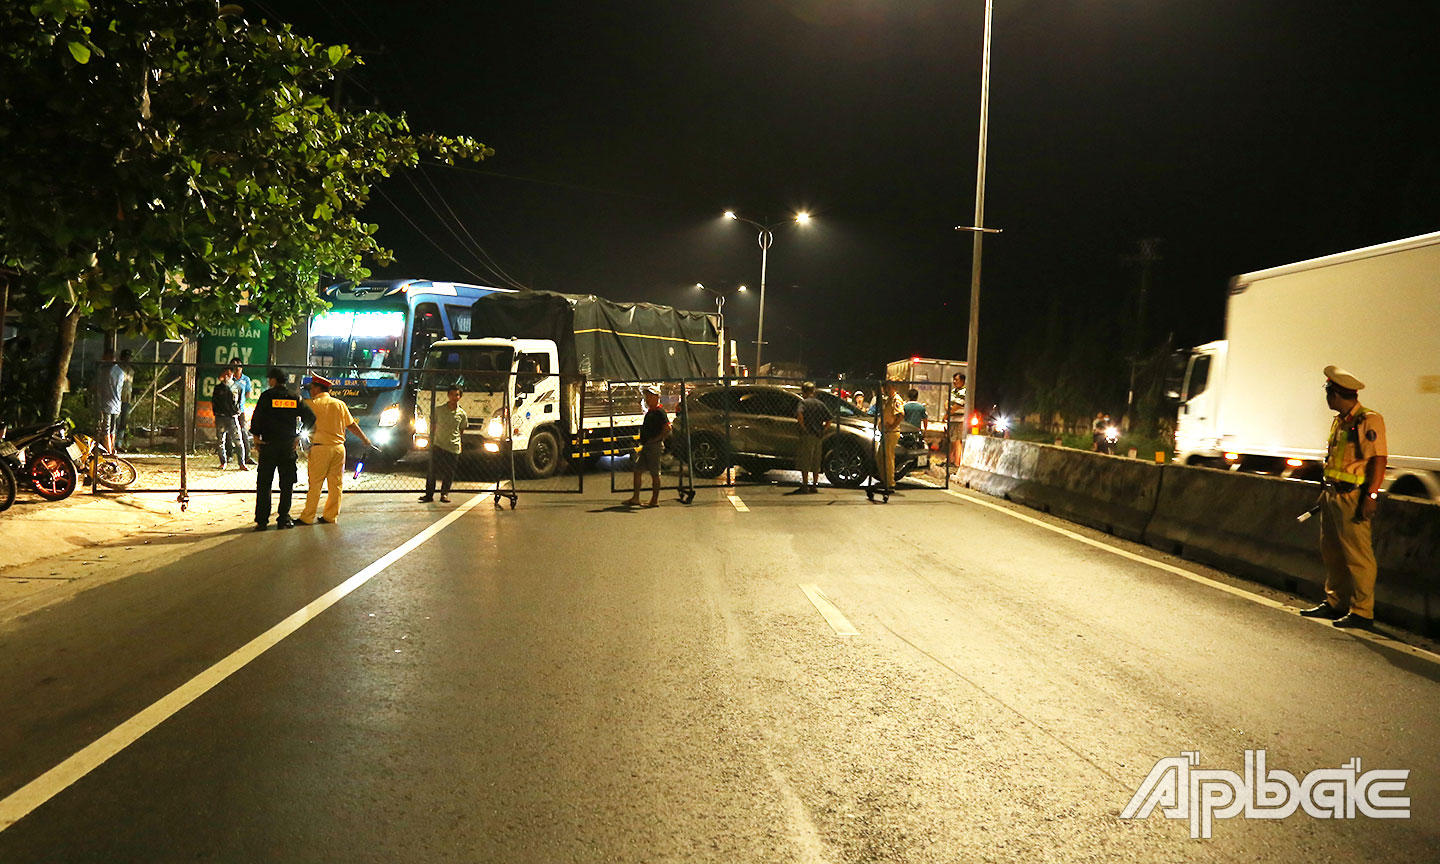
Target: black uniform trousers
<point x="274" y="458"/>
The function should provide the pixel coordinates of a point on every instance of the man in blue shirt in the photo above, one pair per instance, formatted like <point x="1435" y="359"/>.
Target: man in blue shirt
<point x="915" y="413"/>
<point x="111" y="389"/>
<point x="243" y="388"/>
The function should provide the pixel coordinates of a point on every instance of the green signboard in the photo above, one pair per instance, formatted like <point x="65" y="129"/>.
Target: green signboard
<point x="250" y="342"/>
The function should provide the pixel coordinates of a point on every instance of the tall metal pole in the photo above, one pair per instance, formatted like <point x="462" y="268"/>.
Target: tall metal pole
<point x="972" y="350"/>
<point x="766" y="238"/>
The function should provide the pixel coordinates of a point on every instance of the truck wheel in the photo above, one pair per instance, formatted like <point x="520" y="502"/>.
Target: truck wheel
<point x="708" y="456"/>
<point x="845" y="465"/>
<point x="542" y="460"/>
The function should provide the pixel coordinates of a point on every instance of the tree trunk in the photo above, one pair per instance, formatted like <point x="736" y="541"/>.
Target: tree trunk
<point x="64" y="347"/>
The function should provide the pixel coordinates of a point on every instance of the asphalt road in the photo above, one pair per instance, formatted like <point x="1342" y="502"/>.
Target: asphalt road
<point x="570" y="681"/>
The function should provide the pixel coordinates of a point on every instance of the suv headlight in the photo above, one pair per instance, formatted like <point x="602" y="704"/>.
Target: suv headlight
<point x="422" y="426"/>
<point x="390" y="416"/>
<point x="495" y="428"/>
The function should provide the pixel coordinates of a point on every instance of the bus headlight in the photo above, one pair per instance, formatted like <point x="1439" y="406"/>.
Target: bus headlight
<point x="390" y="416"/>
<point x="495" y="428"/>
<point x="422" y="426"/>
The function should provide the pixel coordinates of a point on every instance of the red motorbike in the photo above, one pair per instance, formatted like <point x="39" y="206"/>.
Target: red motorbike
<point x="42" y="457"/>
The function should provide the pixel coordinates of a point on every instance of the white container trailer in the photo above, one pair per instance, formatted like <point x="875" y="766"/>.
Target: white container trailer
<point x="1254" y="400"/>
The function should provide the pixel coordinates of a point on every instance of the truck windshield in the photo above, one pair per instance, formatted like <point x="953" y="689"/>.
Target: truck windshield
<point x="358" y="343"/>
<point x="473" y="368"/>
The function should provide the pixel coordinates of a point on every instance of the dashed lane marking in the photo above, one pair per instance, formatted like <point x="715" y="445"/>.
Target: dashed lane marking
<point x="1377" y="638"/>
<point x="739" y="505"/>
<point x="24" y="800"/>
<point x="833" y="616"/>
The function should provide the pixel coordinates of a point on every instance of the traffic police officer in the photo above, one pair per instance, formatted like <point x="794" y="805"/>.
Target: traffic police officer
<point x="1354" y="469"/>
<point x="275" y="426"/>
<point x="327" y="450"/>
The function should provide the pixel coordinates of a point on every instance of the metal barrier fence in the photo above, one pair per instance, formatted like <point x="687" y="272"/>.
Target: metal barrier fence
<point x="746" y="431"/>
<point x="522" y="432"/>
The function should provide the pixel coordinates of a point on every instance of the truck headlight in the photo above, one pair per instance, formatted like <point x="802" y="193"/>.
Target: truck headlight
<point x="422" y="426"/>
<point x="390" y="416"/>
<point x="495" y="428"/>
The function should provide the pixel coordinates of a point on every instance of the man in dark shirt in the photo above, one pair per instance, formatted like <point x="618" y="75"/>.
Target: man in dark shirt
<point x="653" y="433"/>
<point x="227" y="420"/>
<point x="275" y="424"/>
<point x="814" y="420"/>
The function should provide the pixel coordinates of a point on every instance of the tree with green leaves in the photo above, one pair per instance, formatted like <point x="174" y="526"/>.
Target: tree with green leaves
<point x="165" y="162"/>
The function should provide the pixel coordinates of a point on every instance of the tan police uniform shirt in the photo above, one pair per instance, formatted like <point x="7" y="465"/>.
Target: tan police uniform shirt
<point x="332" y="417"/>
<point x="1371" y="434"/>
<point x="893" y="411"/>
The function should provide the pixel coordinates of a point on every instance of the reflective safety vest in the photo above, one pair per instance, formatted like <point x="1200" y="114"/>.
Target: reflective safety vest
<point x="1340" y="437"/>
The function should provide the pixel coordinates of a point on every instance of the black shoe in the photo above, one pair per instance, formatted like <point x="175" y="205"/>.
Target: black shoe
<point x="426" y="499"/>
<point x="1324" y="610"/>
<point x="261" y="526"/>
<point x="444" y="499"/>
<point x="323" y="521"/>
<point x="284" y="523"/>
<point x="1355" y="622"/>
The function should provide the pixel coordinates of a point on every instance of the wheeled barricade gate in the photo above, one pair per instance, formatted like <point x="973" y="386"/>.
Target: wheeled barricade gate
<point x="508" y="444"/>
<point x="746" y="431"/>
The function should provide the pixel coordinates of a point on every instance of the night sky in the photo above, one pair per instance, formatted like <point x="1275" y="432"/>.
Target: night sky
<point x="1242" y="133"/>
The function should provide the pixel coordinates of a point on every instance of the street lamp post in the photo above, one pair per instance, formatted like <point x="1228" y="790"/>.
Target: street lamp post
<point x="978" y="230"/>
<point x="766" y="239"/>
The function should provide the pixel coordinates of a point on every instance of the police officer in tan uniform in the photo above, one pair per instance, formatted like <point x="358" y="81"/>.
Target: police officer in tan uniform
<point x="892" y="413"/>
<point x="1354" y="469"/>
<point x="327" y="451"/>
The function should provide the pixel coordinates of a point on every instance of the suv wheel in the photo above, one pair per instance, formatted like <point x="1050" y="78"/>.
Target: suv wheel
<point x="845" y="465"/>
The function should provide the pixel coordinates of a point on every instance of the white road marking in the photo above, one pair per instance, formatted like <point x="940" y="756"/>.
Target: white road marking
<point x="739" y="505"/>
<point x="1196" y="577"/>
<point x="833" y="616"/>
<point x="24" y="800"/>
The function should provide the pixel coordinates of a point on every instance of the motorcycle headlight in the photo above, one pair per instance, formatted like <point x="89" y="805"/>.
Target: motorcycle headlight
<point x="495" y="428"/>
<point x="422" y="426"/>
<point x="390" y="416"/>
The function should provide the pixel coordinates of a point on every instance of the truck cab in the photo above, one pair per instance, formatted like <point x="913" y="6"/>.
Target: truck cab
<point x="511" y="393"/>
<point x="1197" y="429"/>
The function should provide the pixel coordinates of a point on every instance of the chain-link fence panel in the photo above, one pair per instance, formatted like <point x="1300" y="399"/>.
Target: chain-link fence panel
<point x="193" y="428"/>
<point x="736" y="432"/>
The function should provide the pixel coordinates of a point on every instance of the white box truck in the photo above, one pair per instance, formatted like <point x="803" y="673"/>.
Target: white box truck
<point x="1253" y="401"/>
<point x="931" y="379"/>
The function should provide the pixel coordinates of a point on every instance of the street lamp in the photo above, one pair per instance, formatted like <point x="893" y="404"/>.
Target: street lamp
<point x="719" y="311"/>
<point x="766" y="238"/>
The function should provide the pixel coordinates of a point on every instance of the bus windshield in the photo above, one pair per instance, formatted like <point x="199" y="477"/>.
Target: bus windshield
<point x="472" y="368"/>
<point x="351" y="343"/>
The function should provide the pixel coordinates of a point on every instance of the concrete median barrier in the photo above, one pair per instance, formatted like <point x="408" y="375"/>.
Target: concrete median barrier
<point x="1109" y="493"/>
<point x="1240" y="523"/>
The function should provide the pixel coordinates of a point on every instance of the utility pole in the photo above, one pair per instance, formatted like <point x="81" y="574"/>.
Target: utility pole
<point x="1146" y="255"/>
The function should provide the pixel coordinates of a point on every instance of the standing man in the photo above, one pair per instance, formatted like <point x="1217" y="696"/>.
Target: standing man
<point x="915" y="413"/>
<point x="111" y="387"/>
<point x="243" y="388"/>
<point x="446" y="429"/>
<point x="813" y="420"/>
<point x="892" y="413"/>
<point x="227" y="419"/>
<point x="955" y="416"/>
<point x="127" y="392"/>
<point x="276" y="427"/>
<point x="1354" y="469"/>
<point x="327" y="451"/>
<point x="653" y="433"/>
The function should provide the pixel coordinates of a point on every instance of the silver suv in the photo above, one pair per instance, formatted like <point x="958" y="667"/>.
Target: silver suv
<point x="754" y="426"/>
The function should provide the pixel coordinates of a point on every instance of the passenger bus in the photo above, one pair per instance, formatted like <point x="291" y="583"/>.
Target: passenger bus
<point x="372" y="336"/>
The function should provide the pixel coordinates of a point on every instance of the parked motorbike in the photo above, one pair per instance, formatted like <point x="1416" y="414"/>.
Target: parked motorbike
<point x="42" y="457"/>
<point x="97" y="463"/>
